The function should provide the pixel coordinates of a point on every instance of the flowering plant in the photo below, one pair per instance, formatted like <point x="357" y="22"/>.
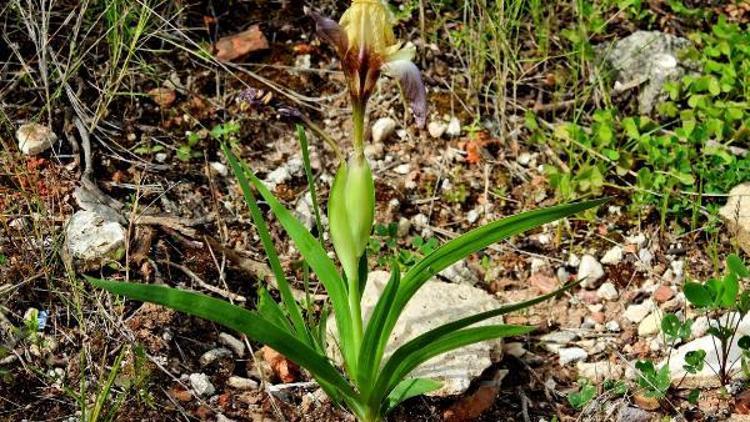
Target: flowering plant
<point x="369" y="385"/>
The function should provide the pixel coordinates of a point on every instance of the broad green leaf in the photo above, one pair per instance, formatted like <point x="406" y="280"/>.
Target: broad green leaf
<point x="697" y="295"/>
<point x="730" y="291"/>
<point x="409" y="388"/>
<point x="371" y="354"/>
<point x="670" y="325"/>
<point x="271" y="311"/>
<point x="236" y="318"/>
<point x="737" y="266"/>
<point x="412" y="354"/>
<point x="290" y="304"/>
<point x="321" y="264"/>
<point x="471" y="242"/>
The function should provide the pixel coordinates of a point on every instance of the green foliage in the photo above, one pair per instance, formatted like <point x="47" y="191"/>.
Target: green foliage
<point x="654" y="382"/>
<point x="384" y="246"/>
<point x="583" y="396"/>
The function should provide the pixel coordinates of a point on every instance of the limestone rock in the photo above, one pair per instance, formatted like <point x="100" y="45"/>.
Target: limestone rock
<point x="382" y="129"/>
<point x="92" y="241"/>
<point x="201" y="384"/>
<point x="736" y="214"/>
<point x="571" y="354"/>
<point x="34" y="138"/>
<point x="648" y="59"/>
<point x="436" y="304"/>
<point x="437" y="128"/>
<point x="613" y="256"/>
<point x="599" y="371"/>
<point x="590" y="270"/>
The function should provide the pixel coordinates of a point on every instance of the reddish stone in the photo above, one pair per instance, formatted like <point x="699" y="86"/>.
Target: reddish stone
<point x="544" y="283"/>
<point x="589" y="297"/>
<point x="663" y="294"/>
<point x="599" y="317"/>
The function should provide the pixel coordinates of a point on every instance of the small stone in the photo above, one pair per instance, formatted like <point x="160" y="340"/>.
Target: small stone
<point x="563" y="276"/>
<point x="524" y="159"/>
<point x="571" y="354"/>
<point x="34" y="138"/>
<point x="608" y="291"/>
<point x="374" y="150"/>
<point x="404" y="225"/>
<point x="636" y="313"/>
<point x="555" y="340"/>
<point x="543" y="283"/>
<point x="219" y="168"/>
<point x="163" y="97"/>
<point x="232" y="342"/>
<point x="574" y="260"/>
<point x="700" y="327"/>
<point x="646" y="257"/>
<point x="402" y="169"/>
<point x="598" y="317"/>
<point x="454" y="127"/>
<point x="92" y="241"/>
<point x="663" y="294"/>
<point x="637" y="240"/>
<point x="220" y="417"/>
<point x="650" y="325"/>
<point x="590" y="270"/>
<point x="213" y="355"/>
<point x="612" y="326"/>
<point x="201" y="384"/>
<point x="382" y="129"/>
<point x="599" y="371"/>
<point x="437" y="129"/>
<point x="646" y="403"/>
<point x="514" y="349"/>
<point x="633" y="414"/>
<point x="472" y="216"/>
<point x="160" y="157"/>
<point x="613" y="255"/>
<point x="241" y="383"/>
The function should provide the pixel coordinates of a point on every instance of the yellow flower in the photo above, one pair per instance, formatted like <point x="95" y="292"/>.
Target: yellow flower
<point x="366" y="45"/>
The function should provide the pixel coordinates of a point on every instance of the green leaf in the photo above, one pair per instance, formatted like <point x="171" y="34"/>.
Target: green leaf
<point x="373" y="344"/>
<point x="731" y="288"/>
<point x="697" y="295"/>
<point x="744" y="343"/>
<point x="321" y="264"/>
<point x="737" y="266"/>
<point x="271" y="311"/>
<point x="583" y="396"/>
<point x="670" y="325"/>
<point x="290" y="304"/>
<point x="694" y="361"/>
<point x="234" y="317"/>
<point x="409" y="388"/>
<point x="471" y="242"/>
<point x="415" y="352"/>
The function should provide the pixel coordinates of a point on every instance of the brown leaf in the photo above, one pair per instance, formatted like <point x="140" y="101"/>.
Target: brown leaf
<point x="742" y="403"/>
<point x="472" y="406"/>
<point x="235" y="46"/>
<point x="282" y="367"/>
<point x="163" y="97"/>
<point x="646" y="403"/>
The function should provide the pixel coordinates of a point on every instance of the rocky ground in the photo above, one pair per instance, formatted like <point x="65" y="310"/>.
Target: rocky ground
<point x="140" y="191"/>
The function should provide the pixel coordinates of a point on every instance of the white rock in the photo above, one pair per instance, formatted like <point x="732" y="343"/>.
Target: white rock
<point x="435" y="304"/>
<point x="571" y="354"/>
<point x="402" y="169"/>
<point x="612" y="326"/>
<point x="524" y="159"/>
<point x="213" y="355"/>
<point x="649" y="325"/>
<point x="460" y="273"/>
<point x="646" y="257"/>
<point x="472" y="216"/>
<point x="219" y="168"/>
<point x="293" y="167"/>
<point x="454" y="127"/>
<point x="590" y="270"/>
<point x="736" y="213"/>
<point x="437" y="129"/>
<point x="707" y="377"/>
<point x="636" y="313"/>
<point x="160" y="157"/>
<point x="637" y="239"/>
<point x="700" y="327"/>
<point x="382" y="129"/>
<point x="34" y="138"/>
<point x="514" y="349"/>
<point x="599" y="371"/>
<point x="556" y="340"/>
<point x="201" y="384"/>
<point x="233" y="343"/>
<point x="574" y="260"/>
<point x="608" y="291"/>
<point x="613" y="255"/>
<point x="91" y="241"/>
<point x="241" y="383"/>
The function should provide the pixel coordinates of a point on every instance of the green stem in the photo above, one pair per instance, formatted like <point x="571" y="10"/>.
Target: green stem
<point x="356" y="316"/>
<point x="358" y="118"/>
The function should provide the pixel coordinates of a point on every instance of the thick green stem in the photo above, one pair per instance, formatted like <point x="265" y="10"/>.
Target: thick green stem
<point x="356" y="316"/>
<point x="358" y="118"/>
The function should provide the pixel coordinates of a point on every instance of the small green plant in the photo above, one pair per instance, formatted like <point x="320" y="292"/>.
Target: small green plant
<point x="655" y="382"/>
<point x="369" y="384"/>
<point x="586" y="392"/>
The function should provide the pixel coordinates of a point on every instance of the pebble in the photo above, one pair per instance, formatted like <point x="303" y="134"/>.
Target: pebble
<point x="382" y="129"/>
<point x="646" y="257"/>
<point x="454" y="127"/>
<point x="571" y="354"/>
<point x="220" y="417"/>
<point x="663" y="294"/>
<point x="612" y="326"/>
<point x="638" y="240"/>
<point x="524" y="159"/>
<point x="232" y="342"/>
<point x="472" y="216"/>
<point x="437" y="129"/>
<point x="241" y="383"/>
<point x="402" y="169"/>
<point x="700" y="327"/>
<point x="563" y="275"/>
<point x="555" y="340"/>
<point x="599" y="371"/>
<point x="201" y="384"/>
<point x="34" y="138"/>
<point x="160" y="157"/>
<point x="613" y="256"/>
<point x="590" y="270"/>
<point x="219" y="168"/>
<point x="650" y="325"/>
<point x="213" y="355"/>
<point x="633" y="414"/>
<point x="573" y="260"/>
<point x="543" y="283"/>
<point x="404" y="225"/>
<point x="608" y="291"/>
<point x="514" y="349"/>
<point x="636" y="313"/>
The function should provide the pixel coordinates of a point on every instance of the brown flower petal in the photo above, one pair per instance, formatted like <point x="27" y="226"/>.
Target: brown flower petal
<point x="331" y="32"/>
<point x="411" y="82"/>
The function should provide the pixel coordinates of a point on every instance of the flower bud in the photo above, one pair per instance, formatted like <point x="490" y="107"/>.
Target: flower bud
<point x="351" y="211"/>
